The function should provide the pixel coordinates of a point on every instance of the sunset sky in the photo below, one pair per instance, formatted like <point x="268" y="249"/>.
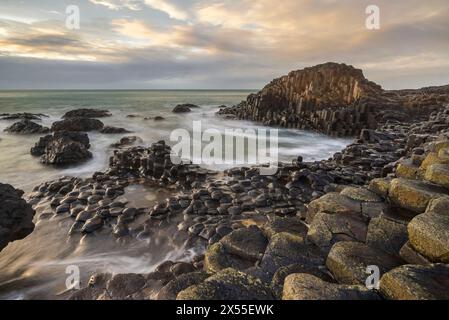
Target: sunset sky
<point x="217" y="44"/>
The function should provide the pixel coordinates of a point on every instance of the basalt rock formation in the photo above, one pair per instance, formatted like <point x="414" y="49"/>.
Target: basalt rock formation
<point x="335" y="99"/>
<point x="16" y="216"/>
<point x="27" y="127"/>
<point x="87" y="113"/>
<point x="62" y="148"/>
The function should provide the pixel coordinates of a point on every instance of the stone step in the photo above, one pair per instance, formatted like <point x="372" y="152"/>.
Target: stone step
<point x="302" y="286"/>
<point x="407" y="169"/>
<point x="438" y="174"/>
<point x="429" y="232"/>
<point x="411" y="282"/>
<point x="348" y="261"/>
<point x="414" y="195"/>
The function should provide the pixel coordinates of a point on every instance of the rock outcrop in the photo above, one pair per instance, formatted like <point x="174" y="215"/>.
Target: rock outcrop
<point x="77" y="124"/>
<point x="62" y="148"/>
<point x="27" y="127"/>
<point x="87" y="113"/>
<point x="16" y="216"/>
<point x="335" y="99"/>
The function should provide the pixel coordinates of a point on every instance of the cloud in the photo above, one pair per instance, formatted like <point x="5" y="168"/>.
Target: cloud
<point x="165" y="6"/>
<point x="245" y="42"/>
<point x="172" y="10"/>
<point x="119" y="4"/>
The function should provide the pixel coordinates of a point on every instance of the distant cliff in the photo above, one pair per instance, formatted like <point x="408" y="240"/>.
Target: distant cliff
<point x="335" y="99"/>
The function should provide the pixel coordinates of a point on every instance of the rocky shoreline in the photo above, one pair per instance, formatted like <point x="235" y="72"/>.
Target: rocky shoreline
<point x="308" y="232"/>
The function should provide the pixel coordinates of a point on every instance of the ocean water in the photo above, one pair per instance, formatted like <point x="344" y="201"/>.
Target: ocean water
<point x="35" y="267"/>
<point x="20" y="169"/>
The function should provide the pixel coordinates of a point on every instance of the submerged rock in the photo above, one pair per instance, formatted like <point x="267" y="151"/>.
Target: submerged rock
<point x="77" y="124"/>
<point x="113" y="130"/>
<point x="27" y="127"/>
<point x="87" y="113"/>
<point x="63" y="148"/>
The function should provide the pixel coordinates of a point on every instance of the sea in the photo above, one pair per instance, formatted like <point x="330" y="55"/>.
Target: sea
<point x="35" y="267"/>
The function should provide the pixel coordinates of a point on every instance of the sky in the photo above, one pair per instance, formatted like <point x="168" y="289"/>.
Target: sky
<point x="217" y="44"/>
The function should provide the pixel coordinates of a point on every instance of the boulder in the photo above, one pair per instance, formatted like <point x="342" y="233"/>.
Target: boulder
<point x="63" y="148"/>
<point x="16" y="215"/>
<point x="413" y="195"/>
<point x="240" y="250"/>
<point x="171" y="290"/>
<point x="87" y="113"/>
<point x="412" y="282"/>
<point x="285" y="249"/>
<point x="77" y="124"/>
<point x="360" y="194"/>
<point x="228" y="284"/>
<point x="348" y="262"/>
<point x="438" y="174"/>
<point x="27" y="127"/>
<point x="122" y="286"/>
<point x="182" y="108"/>
<point x="127" y="141"/>
<point x="277" y="282"/>
<point x="302" y="286"/>
<point x="293" y="225"/>
<point x="113" y="130"/>
<point x="327" y="229"/>
<point x="249" y="243"/>
<point x="386" y="235"/>
<point x="429" y="232"/>
<point x="22" y="116"/>
<point x="333" y="203"/>
<point x="380" y="186"/>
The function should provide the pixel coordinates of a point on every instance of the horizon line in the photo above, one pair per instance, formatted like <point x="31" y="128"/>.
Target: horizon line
<point x="4" y="90"/>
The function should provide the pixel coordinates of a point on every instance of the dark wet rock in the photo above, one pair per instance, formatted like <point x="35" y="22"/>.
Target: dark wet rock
<point x="348" y="261"/>
<point x="94" y="289"/>
<point x="113" y="130"/>
<point x="228" y="284"/>
<point x="27" y="127"/>
<point x="184" y="281"/>
<point x="182" y="108"/>
<point x="63" y="148"/>
<point x="16" y="216"/>
<point x="77" y="124"/>
<point x="87" y="113"/>
<point x="123" y="285"/>
<point x="22" y="116"/>
<point x="92" y="224"/>
<point x="181" y="267"/>
<point x="293" y="225"/>
<point x="302" y="286"/>
<point x="411" y="282"/>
